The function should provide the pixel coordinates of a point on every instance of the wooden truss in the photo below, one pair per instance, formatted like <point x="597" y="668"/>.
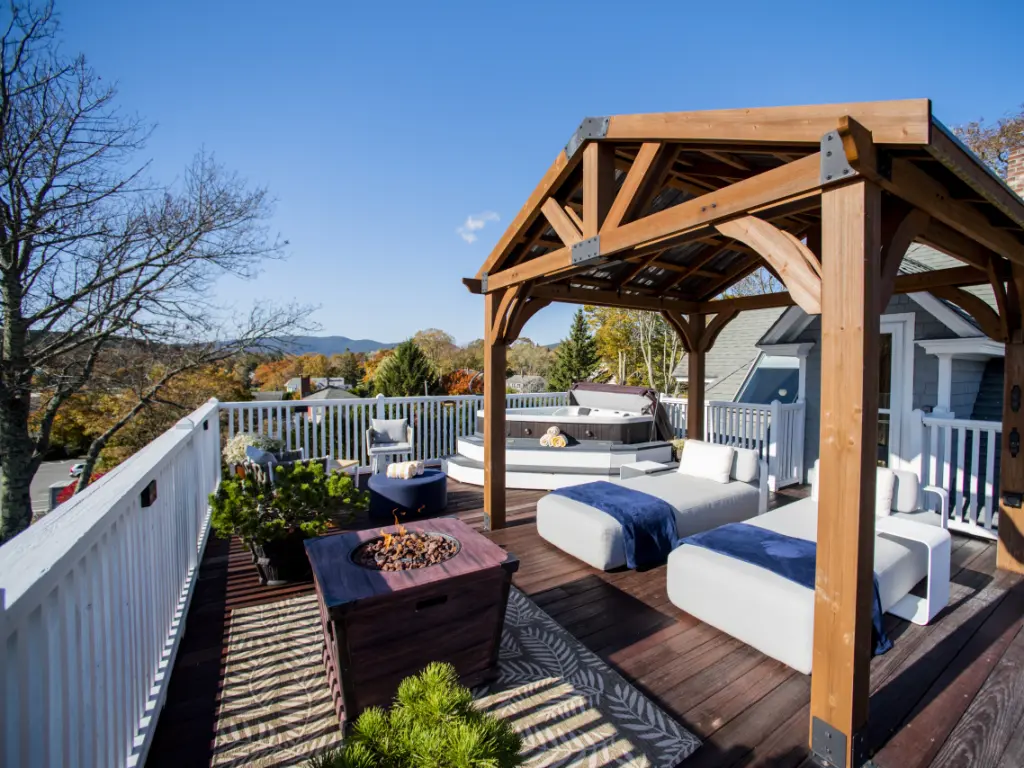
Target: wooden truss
<point x="664" y="212"/>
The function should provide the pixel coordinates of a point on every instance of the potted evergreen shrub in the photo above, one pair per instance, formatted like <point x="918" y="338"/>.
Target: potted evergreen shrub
<point x="275" y="519"/>
<point x="433" y="722"/>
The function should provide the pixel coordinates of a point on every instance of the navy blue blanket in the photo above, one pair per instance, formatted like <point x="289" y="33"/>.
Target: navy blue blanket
<point x="648" y="523"/>
<point x="789" y="557"/>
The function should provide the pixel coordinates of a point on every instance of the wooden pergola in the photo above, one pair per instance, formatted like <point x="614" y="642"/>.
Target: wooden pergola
<point x="664" y="212"/>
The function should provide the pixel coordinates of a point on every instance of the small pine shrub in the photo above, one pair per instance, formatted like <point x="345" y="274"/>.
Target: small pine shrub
<point x="432" y="724"/>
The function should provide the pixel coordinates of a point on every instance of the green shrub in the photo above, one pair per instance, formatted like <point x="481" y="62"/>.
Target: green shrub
<point x="303" y="498"/>
<point x="432" y="724"/>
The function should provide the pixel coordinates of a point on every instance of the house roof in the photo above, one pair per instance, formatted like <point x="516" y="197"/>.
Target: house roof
<point x="330" y="393"/>
<point x="273" y="395"/>
<point x="728" y="361"/>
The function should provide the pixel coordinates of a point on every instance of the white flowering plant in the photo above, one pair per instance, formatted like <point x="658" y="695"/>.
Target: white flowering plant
<point x="234" y="451"/>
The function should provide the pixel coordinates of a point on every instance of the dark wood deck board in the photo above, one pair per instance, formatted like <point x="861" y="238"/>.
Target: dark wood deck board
<point x="946" y="693"/>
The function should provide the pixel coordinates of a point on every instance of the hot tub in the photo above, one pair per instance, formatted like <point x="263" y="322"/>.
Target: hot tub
<point x="578" y="423"/>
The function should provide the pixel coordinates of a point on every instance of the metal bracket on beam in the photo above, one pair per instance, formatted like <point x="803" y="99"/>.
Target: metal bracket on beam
<point x="590" y="128"/>
<point x="586" y="251"/>
<point x="828" y="746"/>
<point x="483" y="283"/>
<point x="834" y="165"/>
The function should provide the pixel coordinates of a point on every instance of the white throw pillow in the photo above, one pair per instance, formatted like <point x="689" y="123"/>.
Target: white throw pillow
<point x="745" y="465"/>
<point x="707" y="460"/>
<point x="905" y="497"/>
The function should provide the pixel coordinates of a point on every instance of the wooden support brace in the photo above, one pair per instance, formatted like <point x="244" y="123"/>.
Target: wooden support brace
<point x="851" y="245"/>
<point x="790" y="258"/>
<point x="494" y="414"/>
<point x="1010" y="547"/>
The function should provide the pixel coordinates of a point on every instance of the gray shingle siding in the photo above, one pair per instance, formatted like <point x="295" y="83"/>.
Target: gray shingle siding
<point x="966" y="374"/>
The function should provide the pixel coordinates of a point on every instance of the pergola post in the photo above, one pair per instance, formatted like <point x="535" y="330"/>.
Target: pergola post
<point x="695" y="380"/>
<point x="1010" y="548"/>
<point x="851" y="245"/>
<point x="494" y="414"/>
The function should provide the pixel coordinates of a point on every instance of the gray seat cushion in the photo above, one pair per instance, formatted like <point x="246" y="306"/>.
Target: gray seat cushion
<point x="389" y="430"/>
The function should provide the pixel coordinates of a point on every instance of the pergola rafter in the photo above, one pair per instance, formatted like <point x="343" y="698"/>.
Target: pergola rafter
<point x="664" y="212"/>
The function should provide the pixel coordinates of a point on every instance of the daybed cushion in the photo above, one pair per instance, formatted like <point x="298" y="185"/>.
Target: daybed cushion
<point x="765" y="610"/>
<point x="596" y="538"/>
<point x="707" y="460"/>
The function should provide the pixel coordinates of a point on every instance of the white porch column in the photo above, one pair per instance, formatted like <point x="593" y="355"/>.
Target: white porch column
<point x="978" y="348"/>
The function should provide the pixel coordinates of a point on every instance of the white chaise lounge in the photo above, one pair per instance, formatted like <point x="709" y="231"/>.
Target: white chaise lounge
<point x="776" y="615"/>
<point x="713" y="485"/>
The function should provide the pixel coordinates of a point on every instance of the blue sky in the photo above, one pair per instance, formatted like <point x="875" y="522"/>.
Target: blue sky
<point x="380" y="127"/>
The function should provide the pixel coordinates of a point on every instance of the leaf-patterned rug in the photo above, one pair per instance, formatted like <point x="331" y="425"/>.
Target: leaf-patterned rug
<point x="571" y="708"/>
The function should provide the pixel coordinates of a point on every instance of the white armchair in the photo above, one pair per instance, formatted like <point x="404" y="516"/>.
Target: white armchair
<point x="387" y="438"/>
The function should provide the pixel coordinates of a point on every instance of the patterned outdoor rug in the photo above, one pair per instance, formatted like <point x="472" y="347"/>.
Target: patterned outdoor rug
<point x="571" y="708"/>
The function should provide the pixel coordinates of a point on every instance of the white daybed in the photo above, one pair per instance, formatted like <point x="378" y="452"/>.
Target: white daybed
<point x="713" y="485"/>
<point x="775" y="615"/>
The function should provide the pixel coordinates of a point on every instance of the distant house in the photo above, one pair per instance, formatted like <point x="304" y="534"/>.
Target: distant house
<point x="330" y="393"/>
<point x="267" y="396"/>
<point x="315" y="383"/>
<point x="526" y="384"/>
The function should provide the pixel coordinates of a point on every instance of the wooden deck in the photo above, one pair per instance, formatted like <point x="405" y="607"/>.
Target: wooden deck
<point x="950" y="694"/>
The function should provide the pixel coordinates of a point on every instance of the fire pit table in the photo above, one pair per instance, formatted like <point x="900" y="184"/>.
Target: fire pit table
<point x="393" y="600"/>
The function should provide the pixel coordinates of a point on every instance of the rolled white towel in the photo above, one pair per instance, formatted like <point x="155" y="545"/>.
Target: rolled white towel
<point x="420" y="468"/>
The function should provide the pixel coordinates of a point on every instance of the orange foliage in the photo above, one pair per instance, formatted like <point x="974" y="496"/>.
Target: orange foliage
<point x="463" y="382"/>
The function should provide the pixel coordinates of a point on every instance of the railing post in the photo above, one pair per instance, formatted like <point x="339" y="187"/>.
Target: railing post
<point x="380" y="407"/>
<point x="774" y="429"/>
<point x="916" y="445"/>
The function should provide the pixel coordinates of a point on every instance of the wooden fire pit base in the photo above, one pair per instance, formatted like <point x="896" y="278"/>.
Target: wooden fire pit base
<point x="381" y="626"/>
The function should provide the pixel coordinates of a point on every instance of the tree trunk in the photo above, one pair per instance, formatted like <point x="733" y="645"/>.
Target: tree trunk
<point x="19" y="467"/>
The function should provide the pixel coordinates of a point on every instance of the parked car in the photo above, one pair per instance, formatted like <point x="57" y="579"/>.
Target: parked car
<point x="76" y="470"/>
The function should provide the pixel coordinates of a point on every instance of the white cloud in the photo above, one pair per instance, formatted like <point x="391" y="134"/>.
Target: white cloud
<point x="474" y="223"/>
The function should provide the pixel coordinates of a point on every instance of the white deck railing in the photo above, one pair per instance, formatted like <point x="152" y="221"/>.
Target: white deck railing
<point x="93" y="600"/>
<point x="750" y="425"/>
<point x="337" y="428"/>
<point x="961" y="455"/>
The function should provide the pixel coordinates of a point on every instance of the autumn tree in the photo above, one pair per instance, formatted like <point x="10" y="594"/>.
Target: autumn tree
<point x="373" y="364"/>
<point x="471" y="356"/>
<point x="91" y="252"/>
<point x="576" y="358"/>
<point x="993" y="142"/>
<point x="348" y="366"/>
<point x="272" y="375"/>
<point x="314" y="365"/>
<point x="528" y="359"/>
<point x="438" y="347"/>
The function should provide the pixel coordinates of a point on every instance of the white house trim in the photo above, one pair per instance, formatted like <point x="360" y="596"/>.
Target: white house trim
<point x="946" y="350"/>
<point x="946" y="315"/>
<point x="793" y="321"/>
<point x="901" y="326"/>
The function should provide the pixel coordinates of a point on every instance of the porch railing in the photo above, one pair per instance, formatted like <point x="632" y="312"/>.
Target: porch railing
<point x="962" y="456"/>
<point x="337" y="428"/>
<point x="94" y="601"/>
<point x="775" y="431"/>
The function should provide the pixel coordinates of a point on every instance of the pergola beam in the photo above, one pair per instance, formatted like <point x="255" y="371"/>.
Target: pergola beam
<point x="760" y="192"/>
<point x="891" y="122"/>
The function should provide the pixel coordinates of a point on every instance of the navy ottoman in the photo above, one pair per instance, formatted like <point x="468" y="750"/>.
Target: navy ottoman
<point x="425" y="495"/>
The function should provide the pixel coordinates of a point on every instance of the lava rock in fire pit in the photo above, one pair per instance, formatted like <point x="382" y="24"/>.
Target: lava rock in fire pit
<point x="402" y="551"/>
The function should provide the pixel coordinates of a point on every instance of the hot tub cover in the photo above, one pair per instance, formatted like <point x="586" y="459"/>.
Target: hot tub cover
<point x="623" y="398"/>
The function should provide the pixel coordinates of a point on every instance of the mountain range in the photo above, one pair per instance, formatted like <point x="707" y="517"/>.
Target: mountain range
<point x="331" y="345"/>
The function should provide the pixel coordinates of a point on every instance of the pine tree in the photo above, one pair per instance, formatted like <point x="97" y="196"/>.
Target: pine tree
<point x="577" y="356"/>
<point x="405" y="373"/>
